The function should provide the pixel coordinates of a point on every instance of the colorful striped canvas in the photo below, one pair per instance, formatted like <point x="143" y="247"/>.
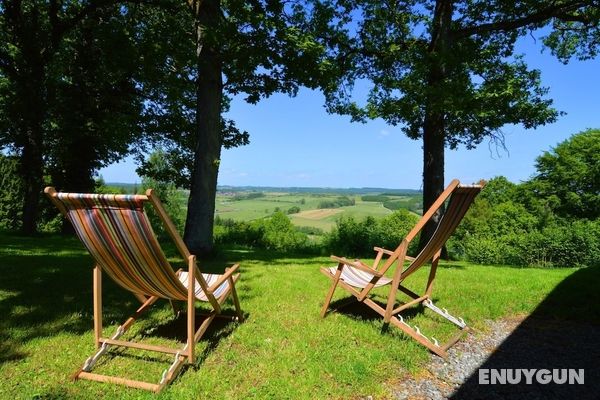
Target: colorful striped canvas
<point x="116" y="231"/>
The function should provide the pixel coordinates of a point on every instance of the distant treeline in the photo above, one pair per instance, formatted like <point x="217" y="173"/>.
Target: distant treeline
<point x="247" y="196"/>
<point x="412" y="203"/>
<point x="317" y="190"/>
<point x="341" y="201"/>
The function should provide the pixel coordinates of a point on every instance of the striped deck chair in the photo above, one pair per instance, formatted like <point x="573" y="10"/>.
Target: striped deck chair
<point x="116" y="231"/>
<point x="359" y="279"/>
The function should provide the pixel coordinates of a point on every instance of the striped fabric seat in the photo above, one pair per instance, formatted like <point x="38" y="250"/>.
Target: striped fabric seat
<point x="210" y="280"/>
<point x="357" y="278"/>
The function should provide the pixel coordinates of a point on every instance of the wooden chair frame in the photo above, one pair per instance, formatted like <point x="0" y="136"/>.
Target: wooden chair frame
<point x="391" y="312"/>
<point x="183" y="355"/>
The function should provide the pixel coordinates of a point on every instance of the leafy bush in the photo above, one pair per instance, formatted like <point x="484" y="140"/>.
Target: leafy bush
<point x="357" y="238"/>
<point x="276" y="233"/>
<point x="310" y="230"/>
<point x="172" y="200"/>
<point x="281" y="235"/>
<point x="228" y="231"/>
<point x="293" y="210"/>
<point x="510" y="224"/>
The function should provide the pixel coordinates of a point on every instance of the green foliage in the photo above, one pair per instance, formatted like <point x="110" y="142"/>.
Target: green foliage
<point x="273" y="233"/>
<point x="310" y="230"/>
<point x="11" y="193"/>
<point x="413" y="203"/>
<point x="454" y="59"/>
<point x="260" y="48"/>
<point x="94" y="116"/>
<point x="341" y="201"/>
<point x="293" y="210"/>
<point x="550" y="221"/>
<point x="247" y="196"/>
<point x="281" y="235"/>
<point x="448" y="72"/>
<point x="375" y="197"/>
<point x="357" y="238"/>
<point x="171" y="198"/>
<point x="103" y="188"/>
<point x="575" y="244"/>
<point x="569" y="176"/>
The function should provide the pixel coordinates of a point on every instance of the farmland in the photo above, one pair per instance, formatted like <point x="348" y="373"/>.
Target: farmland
<point x="311" y="209"/>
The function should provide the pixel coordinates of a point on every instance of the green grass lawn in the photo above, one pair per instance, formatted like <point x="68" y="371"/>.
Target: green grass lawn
<point x="283" y="349"/>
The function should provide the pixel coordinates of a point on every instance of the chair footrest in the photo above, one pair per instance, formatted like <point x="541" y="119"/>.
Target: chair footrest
<point x="121" y="381"/>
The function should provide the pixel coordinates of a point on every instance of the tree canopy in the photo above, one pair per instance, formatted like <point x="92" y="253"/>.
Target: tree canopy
<point x="569" y="176"/>
<point x="447" y="72"/>
<point x="69" y="99"/>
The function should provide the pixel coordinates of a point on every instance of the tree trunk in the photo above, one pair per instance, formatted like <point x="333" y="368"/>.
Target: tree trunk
<point x="33" y="109"/>
<point x="201" y="204"/>
<point x="434" y="127"/>
<point x="433" y="170"/>
<point x="32" y="172"/>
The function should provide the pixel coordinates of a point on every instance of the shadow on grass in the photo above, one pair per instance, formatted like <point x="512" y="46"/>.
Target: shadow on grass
<point x="46" y="289"/>
<point x="350" y="307"/>
<point x="43" y="295"/>
<point x="176" y="329"/>
<point x="563" y="332"/>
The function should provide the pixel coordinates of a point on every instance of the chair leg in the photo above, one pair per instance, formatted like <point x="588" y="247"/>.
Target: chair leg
<point x="176" y="307"/>
<point x="191" y="311"/>
<point x="331" y="290"/>
<point x="236" y="301"/>
<point x="97" y="306"/>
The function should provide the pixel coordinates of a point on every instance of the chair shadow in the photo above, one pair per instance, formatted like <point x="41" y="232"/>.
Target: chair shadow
<point x="176" y="329"/>
<point x="563" y="332"/>
<point x="50" y="291"/>
<point x="359" y="311"/>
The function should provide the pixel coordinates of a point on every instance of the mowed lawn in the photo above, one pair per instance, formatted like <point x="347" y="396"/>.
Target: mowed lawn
<point x="284" y="350"/>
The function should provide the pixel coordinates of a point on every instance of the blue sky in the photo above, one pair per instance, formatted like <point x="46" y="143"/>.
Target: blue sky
<point x="294" y="142"/>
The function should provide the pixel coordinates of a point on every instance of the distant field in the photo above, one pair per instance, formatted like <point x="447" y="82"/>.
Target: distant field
<point x="229" y="206"/>
<point x="318" y="214"/>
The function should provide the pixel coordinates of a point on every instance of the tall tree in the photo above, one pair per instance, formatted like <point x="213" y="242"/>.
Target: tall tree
<point x="251" y="48"/>
<point x="85" y="102"/>
<point x="446" y="71"/>
<point x="96" y="110"/>
<point x="32" y="33"/>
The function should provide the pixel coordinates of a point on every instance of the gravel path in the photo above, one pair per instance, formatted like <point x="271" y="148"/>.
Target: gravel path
<point x="511" y="343"/>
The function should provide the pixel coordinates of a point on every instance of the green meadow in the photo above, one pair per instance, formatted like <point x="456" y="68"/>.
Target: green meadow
<point x="283" y="350"/>
<point x="322" y="218"/>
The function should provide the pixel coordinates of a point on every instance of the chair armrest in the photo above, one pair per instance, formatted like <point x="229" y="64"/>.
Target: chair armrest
<point x="224" y="277"/>
<point x="389" y="253"/>
<point x="382" y="250"/>
<point x="357" y="264"/>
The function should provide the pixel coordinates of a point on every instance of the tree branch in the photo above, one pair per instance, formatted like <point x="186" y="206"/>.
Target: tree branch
<point x="561" y="10"/>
